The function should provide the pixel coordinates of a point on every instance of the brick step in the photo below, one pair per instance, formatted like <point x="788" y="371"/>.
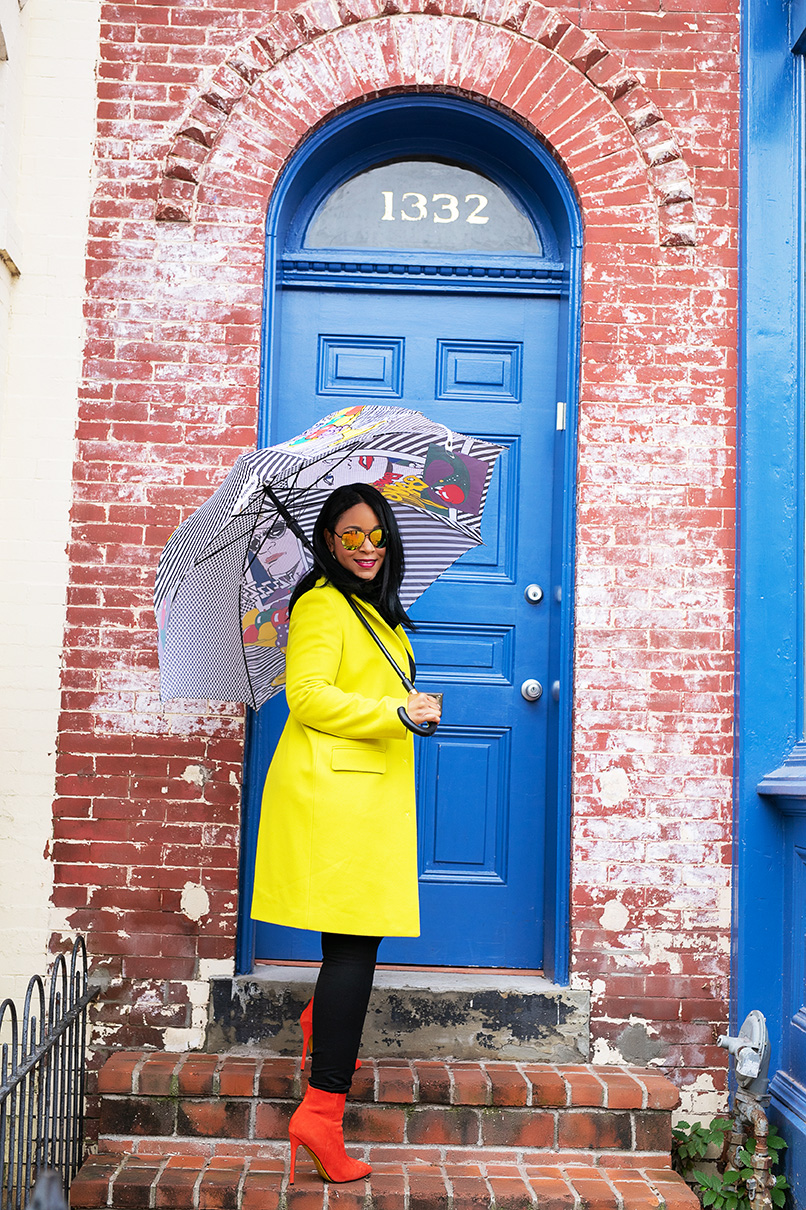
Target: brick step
<point x="229" y="1104"/>
<point x="148" y="1074"/>
<point x="489" y="1182"/>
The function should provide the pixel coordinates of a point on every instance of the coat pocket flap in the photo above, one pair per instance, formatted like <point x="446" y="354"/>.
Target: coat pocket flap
<point x="358" y="760"/>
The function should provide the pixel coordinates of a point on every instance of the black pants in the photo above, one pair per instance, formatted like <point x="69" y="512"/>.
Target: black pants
<point x="340" y="1006"/>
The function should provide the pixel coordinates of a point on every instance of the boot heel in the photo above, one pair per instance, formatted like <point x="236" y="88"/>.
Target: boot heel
<point x="306" y="1025"/>
<point x="295" y="1143"/>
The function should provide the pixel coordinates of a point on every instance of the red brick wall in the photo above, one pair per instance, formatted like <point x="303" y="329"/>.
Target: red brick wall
<point x="199" y="106"/>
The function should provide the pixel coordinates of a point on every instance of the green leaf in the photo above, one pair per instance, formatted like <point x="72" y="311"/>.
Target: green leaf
<point x="724" y="1190"/>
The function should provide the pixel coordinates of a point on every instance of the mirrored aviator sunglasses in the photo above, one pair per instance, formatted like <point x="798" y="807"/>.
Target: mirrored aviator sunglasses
<point x="353" y="539"/>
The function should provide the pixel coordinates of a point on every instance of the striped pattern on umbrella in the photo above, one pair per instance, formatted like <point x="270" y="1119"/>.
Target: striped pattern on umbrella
<point x="226" y="575"/>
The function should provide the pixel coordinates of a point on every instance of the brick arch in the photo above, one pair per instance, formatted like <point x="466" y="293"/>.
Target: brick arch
<point x="563" y="82"/>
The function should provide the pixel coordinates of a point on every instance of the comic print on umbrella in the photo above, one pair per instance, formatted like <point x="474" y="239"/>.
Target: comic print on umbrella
<point x="226" y="576"/>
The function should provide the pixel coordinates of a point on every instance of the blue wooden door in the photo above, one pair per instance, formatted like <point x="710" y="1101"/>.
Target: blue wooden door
<point x="487" y="365"/>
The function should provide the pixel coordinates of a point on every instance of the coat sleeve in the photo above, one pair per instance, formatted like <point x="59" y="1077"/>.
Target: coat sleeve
<point x="314" y="653"/>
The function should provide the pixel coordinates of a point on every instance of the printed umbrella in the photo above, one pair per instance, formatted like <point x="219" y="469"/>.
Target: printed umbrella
<point x="226" y="575"/>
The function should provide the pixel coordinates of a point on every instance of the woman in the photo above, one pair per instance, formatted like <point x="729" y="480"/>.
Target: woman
<point x="337" y="847"/>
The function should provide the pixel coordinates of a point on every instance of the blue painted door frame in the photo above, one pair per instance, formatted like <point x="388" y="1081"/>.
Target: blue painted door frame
<point x="452" y="129"/>
<point x="769" y="931"/>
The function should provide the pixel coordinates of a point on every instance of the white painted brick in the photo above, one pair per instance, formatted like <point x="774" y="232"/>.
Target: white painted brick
<point x="47" y="135"/>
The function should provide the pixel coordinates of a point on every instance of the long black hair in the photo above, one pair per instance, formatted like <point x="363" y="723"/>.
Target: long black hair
<point x="384" y="590"/>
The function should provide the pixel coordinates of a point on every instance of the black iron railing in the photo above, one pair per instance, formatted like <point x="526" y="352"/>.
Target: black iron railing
<point x="42" y="1079"/>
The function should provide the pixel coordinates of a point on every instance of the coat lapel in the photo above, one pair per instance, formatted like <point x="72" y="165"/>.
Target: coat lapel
<point x="395" y="641"/>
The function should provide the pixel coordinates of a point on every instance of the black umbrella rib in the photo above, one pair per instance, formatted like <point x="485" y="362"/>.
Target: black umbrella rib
<point x="290" y="480"/>
<point x="240" y="615"/>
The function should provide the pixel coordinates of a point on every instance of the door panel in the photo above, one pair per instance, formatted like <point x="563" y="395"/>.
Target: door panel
<point x="461" y="767"/>
<point x="486" y="365"/>
<point x="478" y="370"/>
<point x="360" y="368"/>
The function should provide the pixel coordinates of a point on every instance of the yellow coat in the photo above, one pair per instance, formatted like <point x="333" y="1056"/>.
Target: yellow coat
<point x="337" y="846"/>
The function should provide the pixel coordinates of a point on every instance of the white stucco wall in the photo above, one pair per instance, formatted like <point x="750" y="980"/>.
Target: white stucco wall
<point x="11" y="59"/>
<point x="47" y="122"/>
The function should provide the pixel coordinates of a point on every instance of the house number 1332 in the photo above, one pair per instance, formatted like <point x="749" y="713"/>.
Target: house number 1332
<point x="444" y="207"/>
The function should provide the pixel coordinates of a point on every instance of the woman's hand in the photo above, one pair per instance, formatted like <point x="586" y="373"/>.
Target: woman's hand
<point x="422" y="708"/>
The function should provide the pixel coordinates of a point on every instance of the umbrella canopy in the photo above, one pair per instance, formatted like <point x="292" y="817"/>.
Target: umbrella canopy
<point x="226" y="575"/>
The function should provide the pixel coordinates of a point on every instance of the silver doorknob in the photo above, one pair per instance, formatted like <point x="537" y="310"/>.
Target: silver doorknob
<point x="533" y="594"/>
<point x="532" y="690"/>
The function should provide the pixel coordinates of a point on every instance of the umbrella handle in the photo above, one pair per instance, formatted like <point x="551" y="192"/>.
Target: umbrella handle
<point x="418" y="728"/>
<point x="424" y="729"/>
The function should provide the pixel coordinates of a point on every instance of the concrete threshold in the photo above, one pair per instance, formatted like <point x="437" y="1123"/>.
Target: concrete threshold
<point x="413" y="1013"/>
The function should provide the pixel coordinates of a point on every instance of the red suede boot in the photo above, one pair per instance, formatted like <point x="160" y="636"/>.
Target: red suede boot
<point x="317" y="1126"/>
<point x="306" y="1025"/>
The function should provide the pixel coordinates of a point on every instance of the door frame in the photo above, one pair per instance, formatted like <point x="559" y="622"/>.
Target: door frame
<point x="770" y="730"/>
<point x="511" y="155"/>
